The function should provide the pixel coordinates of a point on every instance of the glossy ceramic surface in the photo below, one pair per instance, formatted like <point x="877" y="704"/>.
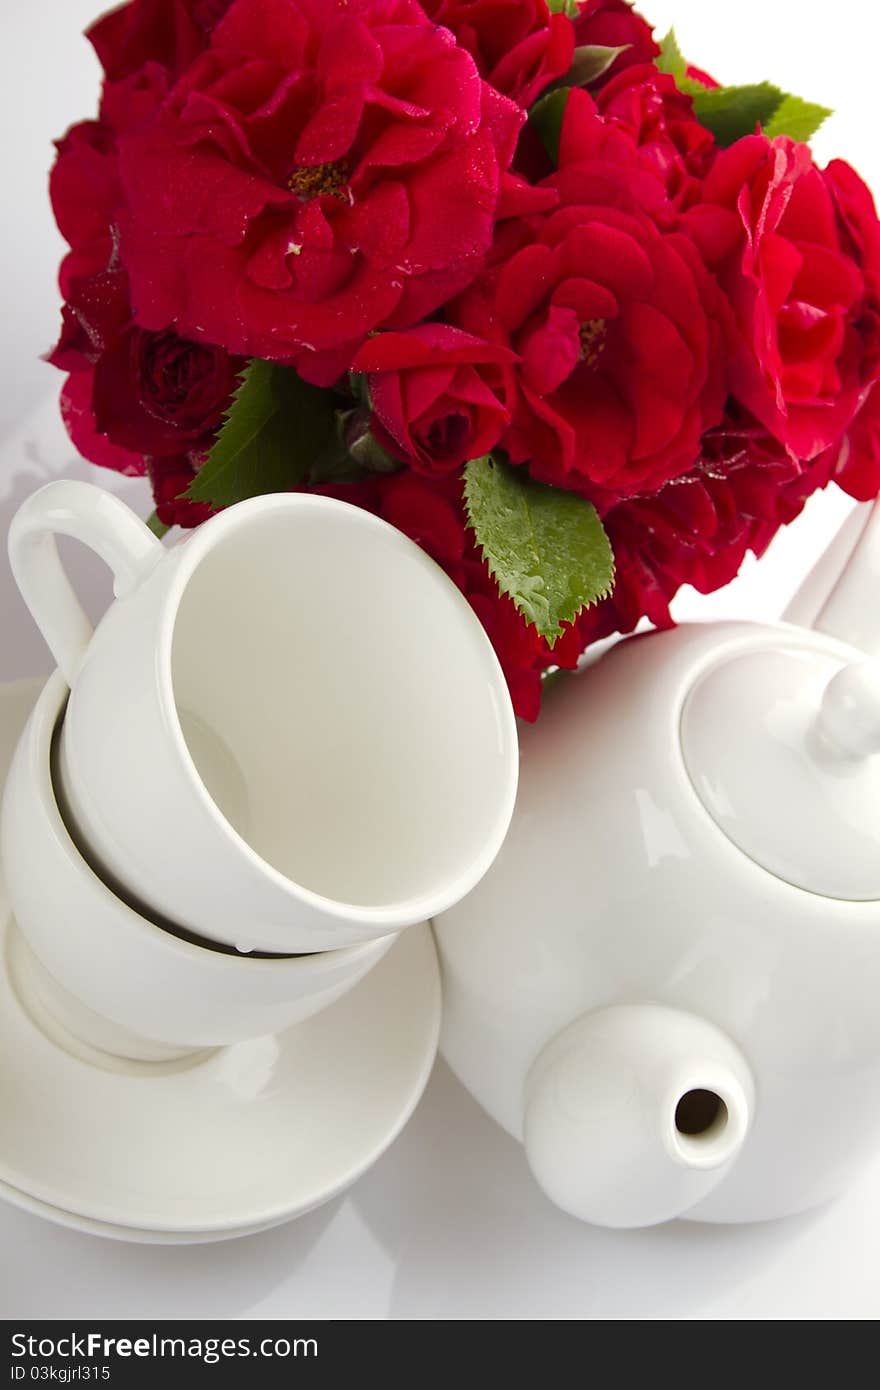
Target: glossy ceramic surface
<point x="617" y="887"/>
<point x="250" y="1136"/>
<point x="253" y="766"/>
<point x="244" y="1138"/>
<point x="128" y="1235"/>
<point x="633" y="1111"/>
<point x="131" y="987"/>
<point x="793" y="779"/>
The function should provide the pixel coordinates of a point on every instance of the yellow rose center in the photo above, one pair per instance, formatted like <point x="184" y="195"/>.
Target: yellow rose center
<point x="592" y="336"/>
<point x="317" y="180"/>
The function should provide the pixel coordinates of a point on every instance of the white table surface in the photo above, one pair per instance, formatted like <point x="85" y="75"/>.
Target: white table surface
<point x="448" y="1224"/>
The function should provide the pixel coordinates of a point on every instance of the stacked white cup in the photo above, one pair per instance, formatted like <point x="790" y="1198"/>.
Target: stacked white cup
<point x="288" y="736"/>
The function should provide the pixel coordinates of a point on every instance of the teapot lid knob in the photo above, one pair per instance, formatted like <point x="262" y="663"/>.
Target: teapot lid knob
<point x="849" y="716"/>
<point x="782" y="746"/>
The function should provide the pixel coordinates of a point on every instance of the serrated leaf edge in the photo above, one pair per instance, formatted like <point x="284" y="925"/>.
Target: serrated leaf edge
<point x="550" y="635"/>
<point x="670" y="59"/>
<point x="812" y="110"/>
<point x="191" y="495"/>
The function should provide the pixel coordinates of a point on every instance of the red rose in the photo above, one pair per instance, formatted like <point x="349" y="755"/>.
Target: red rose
<point x="131" y="391"/>
<point x="860" y="235"/>
<point x="856" y="466"/>
<point x="429" y="512"/>
<point x="857" y="460"/>
<point x="169" y="32"/>
<point x="431" y="408"/>
<point x="618" y="325"/>
<point x="661" y="121"/>
<point x="615" y="24"/>
<point x="132" y="394"/>
<point x="798" y="251"/>
<point x="518" y="45"/>
<point x="158" y="394"/>
<point x="697" y="529"/>
<point x="323" y="169"/>
<point x="170" y="478"/>
<point x="84" y="184"/>
<point x="96" y="313"/>
<point x="85" y="192"/>
<point x="79" y="421"/>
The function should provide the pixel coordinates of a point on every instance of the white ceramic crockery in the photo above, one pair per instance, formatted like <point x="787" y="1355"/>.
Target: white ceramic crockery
<point x="667" y="986"/>
<point x="243" y="1138"/>
<point x="325" y="1057"/>
<point x="289" y="733"/>
<point x="103" y="974"/>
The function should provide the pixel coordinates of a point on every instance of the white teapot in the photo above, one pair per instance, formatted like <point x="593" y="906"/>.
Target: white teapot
<point x="668" y="985"/>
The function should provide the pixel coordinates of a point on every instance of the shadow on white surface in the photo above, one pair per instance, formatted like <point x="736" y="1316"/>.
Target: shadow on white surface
<point x="193" y="1281"/>
<point x="449" y="1225"/>
<point x="487" y="1234"/>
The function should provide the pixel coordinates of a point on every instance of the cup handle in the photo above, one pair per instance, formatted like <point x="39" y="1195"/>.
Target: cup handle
<point x="103" y="523"/>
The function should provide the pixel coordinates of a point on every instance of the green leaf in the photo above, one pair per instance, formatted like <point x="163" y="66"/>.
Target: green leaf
<point x="566" y="7"/>
<point x="334" y="463"/>
<point x="358" y="385"/>
<point x="691" y="87"/>
<point x="353" y="451"/>
<point x="157" y="527"/>
<point x="546" y="548"/>
<point x="546" y="116"/>
<point x="590" y="62"/>
<point x="369" y="455"/>
<point x="671" y="58"/>
<point x="798" y="118"/>
<point x="335" y="466"/>
<point x="732" y="112"/>
<point x="274" y="429"/>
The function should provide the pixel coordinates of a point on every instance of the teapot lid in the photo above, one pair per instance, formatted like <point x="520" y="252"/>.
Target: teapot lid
<point x="782" y="746"/>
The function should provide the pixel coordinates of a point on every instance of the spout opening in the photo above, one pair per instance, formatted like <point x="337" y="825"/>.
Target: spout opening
<point x="707" y="1124"/>
<point x="700" y="1115"/>
<point x="633" y="1113"/>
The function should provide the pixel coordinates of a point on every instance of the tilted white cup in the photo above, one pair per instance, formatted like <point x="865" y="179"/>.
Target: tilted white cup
<point x="289" y="733"/>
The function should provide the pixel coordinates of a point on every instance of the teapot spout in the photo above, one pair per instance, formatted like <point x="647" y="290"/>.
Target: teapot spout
<point x="634" y="1113"/>
<point x="841" y="595"/>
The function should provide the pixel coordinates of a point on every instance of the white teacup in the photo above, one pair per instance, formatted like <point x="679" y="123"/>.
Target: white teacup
<point x="288" y="734"/>
<point x="107" y="975"/>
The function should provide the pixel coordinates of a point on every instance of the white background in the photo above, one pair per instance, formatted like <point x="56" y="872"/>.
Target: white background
<point x="449" y="1223"/>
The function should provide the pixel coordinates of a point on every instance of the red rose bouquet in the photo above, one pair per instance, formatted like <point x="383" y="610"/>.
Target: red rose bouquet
<point x="584" y="324"/>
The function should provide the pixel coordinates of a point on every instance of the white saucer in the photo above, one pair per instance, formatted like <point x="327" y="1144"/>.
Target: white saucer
<point x="127" y="1234"/>
<point x="247" y="1138"/>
